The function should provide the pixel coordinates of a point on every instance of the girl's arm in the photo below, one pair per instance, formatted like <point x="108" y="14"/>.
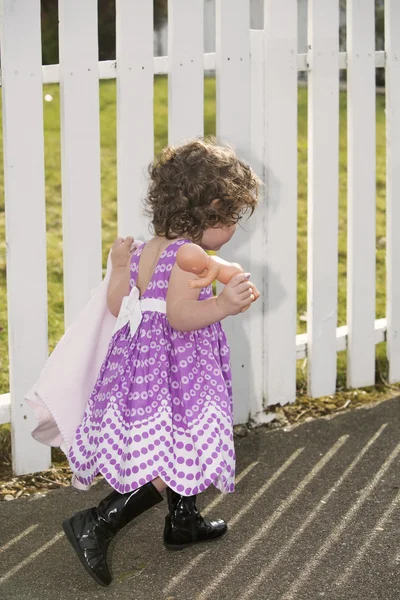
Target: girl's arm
<point x="118" y="286"/>
<point x="186" y="313"/>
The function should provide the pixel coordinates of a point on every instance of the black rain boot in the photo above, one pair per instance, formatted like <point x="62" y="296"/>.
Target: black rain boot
<point x="89" y="532"/>
<point x="185" y="526"/>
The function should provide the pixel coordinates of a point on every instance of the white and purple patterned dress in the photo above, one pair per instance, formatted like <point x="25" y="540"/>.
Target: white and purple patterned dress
<point x="162" y="403"/>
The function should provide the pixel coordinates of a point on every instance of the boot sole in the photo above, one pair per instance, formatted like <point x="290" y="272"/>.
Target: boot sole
<point x="72" y="540"/>
<point x="178" y="547"/>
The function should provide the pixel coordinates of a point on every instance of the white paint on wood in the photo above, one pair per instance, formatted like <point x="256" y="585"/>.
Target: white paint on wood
<point x="264" y="349"/>
<point x="341" y="338"/>
<point x="361" y="192"/>
<point x="185" y="70"/>
<point x="280" y="288"/>
<point x="323" y="149"/>
<point x="301" y="351"/>
<point x="5" y="408"/>
<point x="256" y="226"/>
<point x="135" y="129"/>
<point x="233" y="126"/>
<point x="392" y="44"/>
<point x="80" y="152"/>
<point x="107" y="68"/>
<point x="25" y="220"/>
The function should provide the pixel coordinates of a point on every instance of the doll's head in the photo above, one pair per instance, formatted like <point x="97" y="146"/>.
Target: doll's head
<point x="197" y="187"/>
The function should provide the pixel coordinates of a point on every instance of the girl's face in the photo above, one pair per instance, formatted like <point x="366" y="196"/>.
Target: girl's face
<point x="215" y="237"/>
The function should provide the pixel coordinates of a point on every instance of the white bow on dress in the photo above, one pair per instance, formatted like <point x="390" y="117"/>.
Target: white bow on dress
<point x="132" y="309"/>
<point x="130" y="312"/>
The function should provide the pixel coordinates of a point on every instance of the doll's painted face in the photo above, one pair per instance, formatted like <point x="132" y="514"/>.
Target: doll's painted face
<point x="215" y="237"/>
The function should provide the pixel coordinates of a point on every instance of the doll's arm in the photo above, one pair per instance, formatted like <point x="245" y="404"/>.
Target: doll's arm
<point x="193" y="259"/>
<point x="218" y="269"/>
<point x="206" y="278"/>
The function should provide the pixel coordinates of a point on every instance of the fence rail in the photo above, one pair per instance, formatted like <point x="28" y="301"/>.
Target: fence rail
<point x="107" y="69"/>
<point x="301" y="354"/>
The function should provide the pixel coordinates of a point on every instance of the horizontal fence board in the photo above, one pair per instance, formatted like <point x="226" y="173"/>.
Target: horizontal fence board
<point x="301" y="354"/>
<point x="341" y="338"/>
<point x="107" y="68"/>
<point x="5" y="409"/>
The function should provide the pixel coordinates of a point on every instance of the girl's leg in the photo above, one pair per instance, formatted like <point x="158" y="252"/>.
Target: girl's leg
<point x="184" y="524"/>
<point x="159" y="484"/>
<point x="90" y="531"/>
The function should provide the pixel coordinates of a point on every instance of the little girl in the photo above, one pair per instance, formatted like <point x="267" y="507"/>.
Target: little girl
<point x="160" y="414"/>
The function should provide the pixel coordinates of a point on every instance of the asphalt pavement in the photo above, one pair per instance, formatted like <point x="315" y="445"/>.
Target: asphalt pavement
<point x="316" y="514"/>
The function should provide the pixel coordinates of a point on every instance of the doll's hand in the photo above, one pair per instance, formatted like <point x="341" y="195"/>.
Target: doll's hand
<point x="236" y="296"/>
<point x="121" y="252"/>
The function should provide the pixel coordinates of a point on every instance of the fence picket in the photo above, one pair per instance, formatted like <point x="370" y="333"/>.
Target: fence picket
<point x="80" y="138"/>
<point x="361" y="193"/>
<point x="392" y="46"/>
<point x="256" y="226"/>
<point x="233" y="126"/>
<point x="281" y="181"/>
<point x="25" y="220"/>
<point x="185" y="70"/>
<point x="323" y="150"/>
<point x="135" y="128"/>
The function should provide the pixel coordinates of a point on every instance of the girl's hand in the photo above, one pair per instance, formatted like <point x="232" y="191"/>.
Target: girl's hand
<point x="236" y="296"/>
<point x="256" y="293"/>
<point x="121" y="252"/>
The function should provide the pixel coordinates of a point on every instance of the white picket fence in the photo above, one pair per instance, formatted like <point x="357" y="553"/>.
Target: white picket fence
<point x="257" y="74"/>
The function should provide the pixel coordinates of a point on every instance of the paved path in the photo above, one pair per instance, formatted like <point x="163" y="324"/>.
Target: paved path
<point x="316" y="515"/>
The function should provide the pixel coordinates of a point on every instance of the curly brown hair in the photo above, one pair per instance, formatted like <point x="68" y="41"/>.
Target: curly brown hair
<point x="199" y="185"/>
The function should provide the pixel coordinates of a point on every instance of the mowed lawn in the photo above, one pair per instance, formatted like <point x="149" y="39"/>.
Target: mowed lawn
<point x="109" y="193"/>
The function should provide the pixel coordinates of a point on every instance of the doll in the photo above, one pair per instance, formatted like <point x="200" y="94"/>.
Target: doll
<point x="193" y="259"/>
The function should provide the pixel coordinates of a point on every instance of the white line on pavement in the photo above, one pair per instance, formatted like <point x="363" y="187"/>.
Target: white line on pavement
<point x="211" y="588"/>
<point x="17" y="538"/>
<point x="303" y="577"/>
<point x="311" y="517"/>
<point x="175" y="581"/>
<point x="30" y="558"/>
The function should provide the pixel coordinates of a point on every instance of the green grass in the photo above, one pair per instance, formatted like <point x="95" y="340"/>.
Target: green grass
<point x="108" y="165"/>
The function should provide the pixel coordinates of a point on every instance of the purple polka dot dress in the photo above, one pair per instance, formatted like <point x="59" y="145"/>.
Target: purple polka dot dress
<point x="162" y="403"/>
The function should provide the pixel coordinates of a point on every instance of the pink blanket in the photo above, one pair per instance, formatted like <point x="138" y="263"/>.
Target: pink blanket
<point x="60" y="396"/>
